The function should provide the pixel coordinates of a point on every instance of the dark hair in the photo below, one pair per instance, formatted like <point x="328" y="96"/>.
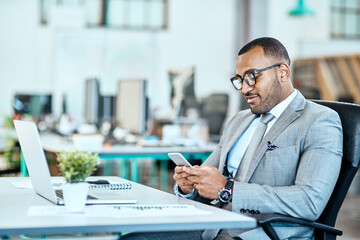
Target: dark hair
<point x="271" y="46"/>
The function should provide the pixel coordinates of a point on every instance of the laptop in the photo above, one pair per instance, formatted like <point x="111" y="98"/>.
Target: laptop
<point x="37" y="166"/>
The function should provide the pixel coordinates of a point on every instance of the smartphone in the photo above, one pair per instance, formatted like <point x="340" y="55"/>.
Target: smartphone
<point x="179" y="159"/>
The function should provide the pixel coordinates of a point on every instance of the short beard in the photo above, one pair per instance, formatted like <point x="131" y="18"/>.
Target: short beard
<point x="271" y="100"/>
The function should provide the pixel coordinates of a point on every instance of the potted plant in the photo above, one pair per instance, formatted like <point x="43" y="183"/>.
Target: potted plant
<point x="76" y="167"/>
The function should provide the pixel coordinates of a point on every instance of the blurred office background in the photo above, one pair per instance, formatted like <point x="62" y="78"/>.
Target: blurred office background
<point x="53" y="46"/>
<point x="75" y="57"/>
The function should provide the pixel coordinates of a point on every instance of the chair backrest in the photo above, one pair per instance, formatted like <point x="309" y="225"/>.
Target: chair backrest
<point x="214" y="110"/>
<point x="350" y="119"/>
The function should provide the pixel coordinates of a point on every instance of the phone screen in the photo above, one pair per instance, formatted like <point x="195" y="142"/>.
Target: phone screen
<point x="179" y="159"/>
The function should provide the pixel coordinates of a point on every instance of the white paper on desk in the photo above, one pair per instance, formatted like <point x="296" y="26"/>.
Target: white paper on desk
<point x="58" y="211"/>
<point x="119" y="211"/>
<point x="26" y="183"/>
<point x="158" y="210"/>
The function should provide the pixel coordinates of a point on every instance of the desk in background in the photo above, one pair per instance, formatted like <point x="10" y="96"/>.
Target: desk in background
<point x="131" y="154"/>
<point x="16" y="202"/>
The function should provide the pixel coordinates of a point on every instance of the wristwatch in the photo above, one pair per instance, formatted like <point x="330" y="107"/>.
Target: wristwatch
<point x="225" y="194"/>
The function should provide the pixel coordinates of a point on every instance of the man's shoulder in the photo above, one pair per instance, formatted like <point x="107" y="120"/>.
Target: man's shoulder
<point x="318" y="109"/>
<point x="242" y="114"/>
<point x="246" y="112"/>
<point x="314" y="112"/>
<point x="238" y="117"/>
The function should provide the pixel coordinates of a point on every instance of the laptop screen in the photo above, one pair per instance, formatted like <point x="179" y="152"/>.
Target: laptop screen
<point x="35" y="159"/>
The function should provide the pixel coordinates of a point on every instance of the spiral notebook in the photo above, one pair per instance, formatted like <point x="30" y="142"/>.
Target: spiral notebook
<point x="112" y="186"/>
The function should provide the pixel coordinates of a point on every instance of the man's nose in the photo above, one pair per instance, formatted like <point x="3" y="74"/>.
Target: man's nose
<point x="245" y="88"/>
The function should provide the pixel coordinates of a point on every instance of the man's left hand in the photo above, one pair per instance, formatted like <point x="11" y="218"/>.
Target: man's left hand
<point x="207" y="180"/>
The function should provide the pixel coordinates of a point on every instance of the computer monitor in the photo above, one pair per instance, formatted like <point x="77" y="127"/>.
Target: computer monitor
<point x="36" y="105"/>
<point x="107" y="108"/>
<point x="92" y="100"/>
<point x="132" y="105"/>
<point x="183" y="98"/>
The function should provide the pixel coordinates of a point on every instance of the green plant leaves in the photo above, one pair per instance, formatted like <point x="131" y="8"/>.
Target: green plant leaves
<point x="77" y="166"/>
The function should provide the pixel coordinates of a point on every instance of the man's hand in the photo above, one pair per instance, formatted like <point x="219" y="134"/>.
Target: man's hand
<point x="207" y="180"/>
<point x="181" y="179"/>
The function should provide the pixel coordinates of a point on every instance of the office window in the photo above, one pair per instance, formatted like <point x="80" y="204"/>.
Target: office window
<point x="122" y="14"/>
<point x="345" y="19"/>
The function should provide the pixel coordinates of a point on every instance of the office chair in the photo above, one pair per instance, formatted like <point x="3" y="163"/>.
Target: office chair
<point x="324" y="225"/>
<point x="214" y="110"/>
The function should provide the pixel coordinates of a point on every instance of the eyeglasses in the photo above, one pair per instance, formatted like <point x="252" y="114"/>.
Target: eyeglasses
<point x="249" y="77"/>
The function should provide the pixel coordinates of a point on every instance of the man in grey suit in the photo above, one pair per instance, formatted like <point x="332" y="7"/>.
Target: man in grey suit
<point x="294" y="168"/>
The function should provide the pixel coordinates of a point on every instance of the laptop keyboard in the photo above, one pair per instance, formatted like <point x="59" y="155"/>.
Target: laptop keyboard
<point x="59" y="194"/>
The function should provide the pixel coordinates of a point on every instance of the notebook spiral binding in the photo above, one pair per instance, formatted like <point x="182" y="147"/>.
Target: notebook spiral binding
<point x="112" y="186"/>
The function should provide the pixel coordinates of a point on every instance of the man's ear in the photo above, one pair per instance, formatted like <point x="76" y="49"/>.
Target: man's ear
<point x="284" y="72"/>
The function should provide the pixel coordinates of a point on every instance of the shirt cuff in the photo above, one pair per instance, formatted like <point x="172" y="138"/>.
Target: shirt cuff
<point x="178" y="193"/>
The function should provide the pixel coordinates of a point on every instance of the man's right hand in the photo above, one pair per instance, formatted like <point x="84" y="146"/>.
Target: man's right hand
<point x="180" y="177"/>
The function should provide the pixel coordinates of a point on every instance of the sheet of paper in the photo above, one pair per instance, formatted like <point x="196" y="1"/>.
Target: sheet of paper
<point x="120" y="211"/>
<point x="158" y="210"/>
<point x="57" y="182"/>
<point x="26" y="183"/>
<point x="58" y="211"/>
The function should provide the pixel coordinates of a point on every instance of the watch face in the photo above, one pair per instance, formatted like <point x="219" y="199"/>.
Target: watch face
<point x="225" y="195"/>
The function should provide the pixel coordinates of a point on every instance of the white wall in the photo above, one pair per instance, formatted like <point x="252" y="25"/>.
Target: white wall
<point x="17" y="50"/>
<point x="295" y="30"/>
<point x="306" y="36"/>
<point x="41" y="59"/>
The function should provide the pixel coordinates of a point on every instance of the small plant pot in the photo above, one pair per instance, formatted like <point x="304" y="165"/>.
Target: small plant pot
<point x="75" y="195"/>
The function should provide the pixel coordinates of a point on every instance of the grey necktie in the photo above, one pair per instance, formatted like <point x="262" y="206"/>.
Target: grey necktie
<point x="253" y="145"/>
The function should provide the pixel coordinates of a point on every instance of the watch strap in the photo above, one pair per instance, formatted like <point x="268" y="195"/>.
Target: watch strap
<point x="229" y="184"/>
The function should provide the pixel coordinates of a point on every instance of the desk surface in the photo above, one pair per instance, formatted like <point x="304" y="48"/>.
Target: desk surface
<point x="15" y="202"/>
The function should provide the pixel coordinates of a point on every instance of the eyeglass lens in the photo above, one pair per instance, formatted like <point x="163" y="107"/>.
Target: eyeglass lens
<point x="237" y="82"/>
<point x="249" y="79"/>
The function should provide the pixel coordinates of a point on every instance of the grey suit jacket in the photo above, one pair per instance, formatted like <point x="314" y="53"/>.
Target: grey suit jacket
<point x="296" y="177"/>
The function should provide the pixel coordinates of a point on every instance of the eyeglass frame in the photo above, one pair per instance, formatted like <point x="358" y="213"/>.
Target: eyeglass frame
<point x="253" y="72"/>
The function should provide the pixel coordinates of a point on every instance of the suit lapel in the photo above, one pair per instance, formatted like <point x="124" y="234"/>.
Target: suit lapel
<point x="238" y="131"/>
<point x="291" y="113"/>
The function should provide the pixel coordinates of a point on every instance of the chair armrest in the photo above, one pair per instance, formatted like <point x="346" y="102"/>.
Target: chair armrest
<point x="265" y="220"/>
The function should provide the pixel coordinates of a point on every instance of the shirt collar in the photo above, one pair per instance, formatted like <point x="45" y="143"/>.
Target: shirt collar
<point x="280" y="108"/>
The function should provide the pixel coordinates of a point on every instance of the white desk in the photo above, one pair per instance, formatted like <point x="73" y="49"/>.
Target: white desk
<point x="14" y="204"/>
